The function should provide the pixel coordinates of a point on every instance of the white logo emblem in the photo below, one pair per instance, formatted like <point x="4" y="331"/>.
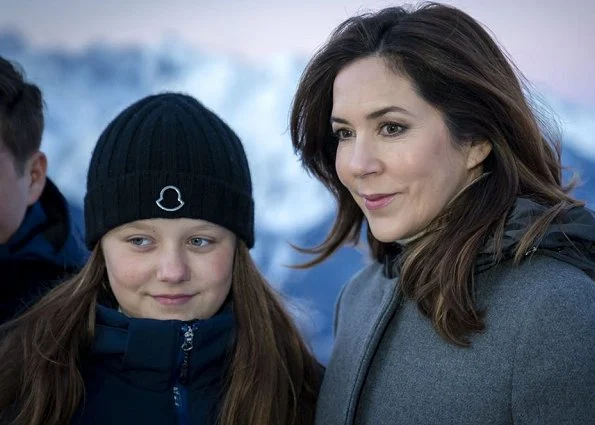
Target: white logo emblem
<point x="179" y="201"/>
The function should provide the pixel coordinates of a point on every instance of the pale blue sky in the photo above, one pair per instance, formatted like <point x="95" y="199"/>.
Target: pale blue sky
<point x="553" y="42"/>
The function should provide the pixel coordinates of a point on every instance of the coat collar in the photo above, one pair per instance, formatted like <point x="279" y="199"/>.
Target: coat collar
<point x="571" y="239"/>
<point x="47" y="233"/>
<point x="148" y="351"/>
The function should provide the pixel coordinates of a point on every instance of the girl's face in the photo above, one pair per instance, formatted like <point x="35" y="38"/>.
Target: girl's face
<point x="395" y="153"/>
<point x="169" y="268"/>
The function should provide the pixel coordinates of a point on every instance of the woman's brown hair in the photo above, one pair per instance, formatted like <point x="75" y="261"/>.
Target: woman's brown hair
<point x="456" y="66"/>
<point x="272" y="378"/>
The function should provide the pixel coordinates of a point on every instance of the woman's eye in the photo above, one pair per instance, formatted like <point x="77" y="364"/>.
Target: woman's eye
<point x="199" y="242"/>
<point x="342" y="134"/>
<point x="139" y="241"/>
<point x="391" y="129"/>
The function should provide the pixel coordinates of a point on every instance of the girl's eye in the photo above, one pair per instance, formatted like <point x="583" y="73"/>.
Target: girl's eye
<point x="199" y="242"/>
<point x="342" y="134"/>
<point x="139" y="241"/>
<point x="392" y="129"/>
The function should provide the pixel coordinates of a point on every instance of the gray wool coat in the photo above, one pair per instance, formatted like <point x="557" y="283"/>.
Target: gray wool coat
<point x="534" y="363"/>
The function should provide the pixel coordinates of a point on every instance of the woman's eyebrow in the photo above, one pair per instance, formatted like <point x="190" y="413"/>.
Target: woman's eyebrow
<point x="376" y="114"/>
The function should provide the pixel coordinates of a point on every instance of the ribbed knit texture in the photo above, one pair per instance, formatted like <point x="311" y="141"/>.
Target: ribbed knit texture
<point x="163" y="140"/>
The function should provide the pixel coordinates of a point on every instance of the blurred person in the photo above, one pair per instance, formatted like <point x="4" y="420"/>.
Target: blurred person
<point x="170" y="321"/>
<point x="479" y="304"/>
<point x="39" y="244"/>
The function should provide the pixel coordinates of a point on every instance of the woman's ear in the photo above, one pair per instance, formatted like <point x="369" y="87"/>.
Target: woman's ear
<point x="36" y="169"/>
<point x="478" y="152"/>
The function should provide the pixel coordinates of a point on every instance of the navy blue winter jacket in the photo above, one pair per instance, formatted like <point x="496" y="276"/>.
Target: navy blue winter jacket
<point x="145" y="371"/>
<point x="45" y="249"/>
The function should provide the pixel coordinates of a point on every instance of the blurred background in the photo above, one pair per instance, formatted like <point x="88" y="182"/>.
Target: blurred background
<point x="243" y="59"/>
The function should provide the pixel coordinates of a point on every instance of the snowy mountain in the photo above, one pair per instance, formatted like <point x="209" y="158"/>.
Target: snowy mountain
<point x="85" y="89"/>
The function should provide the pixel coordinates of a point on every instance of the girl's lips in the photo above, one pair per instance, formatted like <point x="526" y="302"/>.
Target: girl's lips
<point x="172" y="300"/>
<point x="375" y="202"/>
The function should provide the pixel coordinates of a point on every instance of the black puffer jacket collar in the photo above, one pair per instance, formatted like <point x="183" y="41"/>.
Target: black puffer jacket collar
<point x="570" y="238"/>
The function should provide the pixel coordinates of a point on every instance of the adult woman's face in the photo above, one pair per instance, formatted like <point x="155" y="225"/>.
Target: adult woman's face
<point x="395" y="153"/>
<point x="169" y="268"/>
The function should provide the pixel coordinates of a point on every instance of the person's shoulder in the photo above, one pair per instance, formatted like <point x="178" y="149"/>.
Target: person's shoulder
<point x="28" y="272"/>
<point x="367" y="287"/>
<point x="368" y="277"/>
<point x="363" y="294"/>
<point x="538" y="285"/>
<point x="553" y="281"/>
<point x="554" y="360"/>
<point x="541" y="289"/>
<point x="541" y="273"/>
<point x="546" y="274"/>
<point x="28" y="280"/>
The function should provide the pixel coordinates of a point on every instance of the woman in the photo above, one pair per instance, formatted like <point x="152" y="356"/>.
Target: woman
<point x="479" y="306"/>
<point x="170" y="321"/>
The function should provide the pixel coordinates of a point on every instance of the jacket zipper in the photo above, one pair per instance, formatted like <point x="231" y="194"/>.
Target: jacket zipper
<point x="180" y="392"/>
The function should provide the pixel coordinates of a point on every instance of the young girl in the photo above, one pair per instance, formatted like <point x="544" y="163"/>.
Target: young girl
<point x="479" y="305"/>
<point x="170" y="321"/>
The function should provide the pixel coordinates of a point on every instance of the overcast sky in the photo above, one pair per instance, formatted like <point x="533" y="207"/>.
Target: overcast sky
<point x="553" y="42"/>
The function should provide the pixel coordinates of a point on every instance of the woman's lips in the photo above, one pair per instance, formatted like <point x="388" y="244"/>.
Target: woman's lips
<point x="376" y="202"/>
<point x="172" y="299"/>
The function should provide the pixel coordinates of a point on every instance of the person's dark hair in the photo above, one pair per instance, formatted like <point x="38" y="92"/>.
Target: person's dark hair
<point x="21" y="114"/>
<point x="272" y="378"/>
<point x="456" y="66"/>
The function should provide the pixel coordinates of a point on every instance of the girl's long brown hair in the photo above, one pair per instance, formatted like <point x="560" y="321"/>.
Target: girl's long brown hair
<point x="458" y="68"/>
<point x="272" y="378"/>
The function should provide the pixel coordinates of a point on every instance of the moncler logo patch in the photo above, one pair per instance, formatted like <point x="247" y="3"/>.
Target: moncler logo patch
<point x="170" y="199"/>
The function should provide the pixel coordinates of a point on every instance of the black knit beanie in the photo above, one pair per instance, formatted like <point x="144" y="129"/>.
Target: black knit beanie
<point x="167" y="156"/>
